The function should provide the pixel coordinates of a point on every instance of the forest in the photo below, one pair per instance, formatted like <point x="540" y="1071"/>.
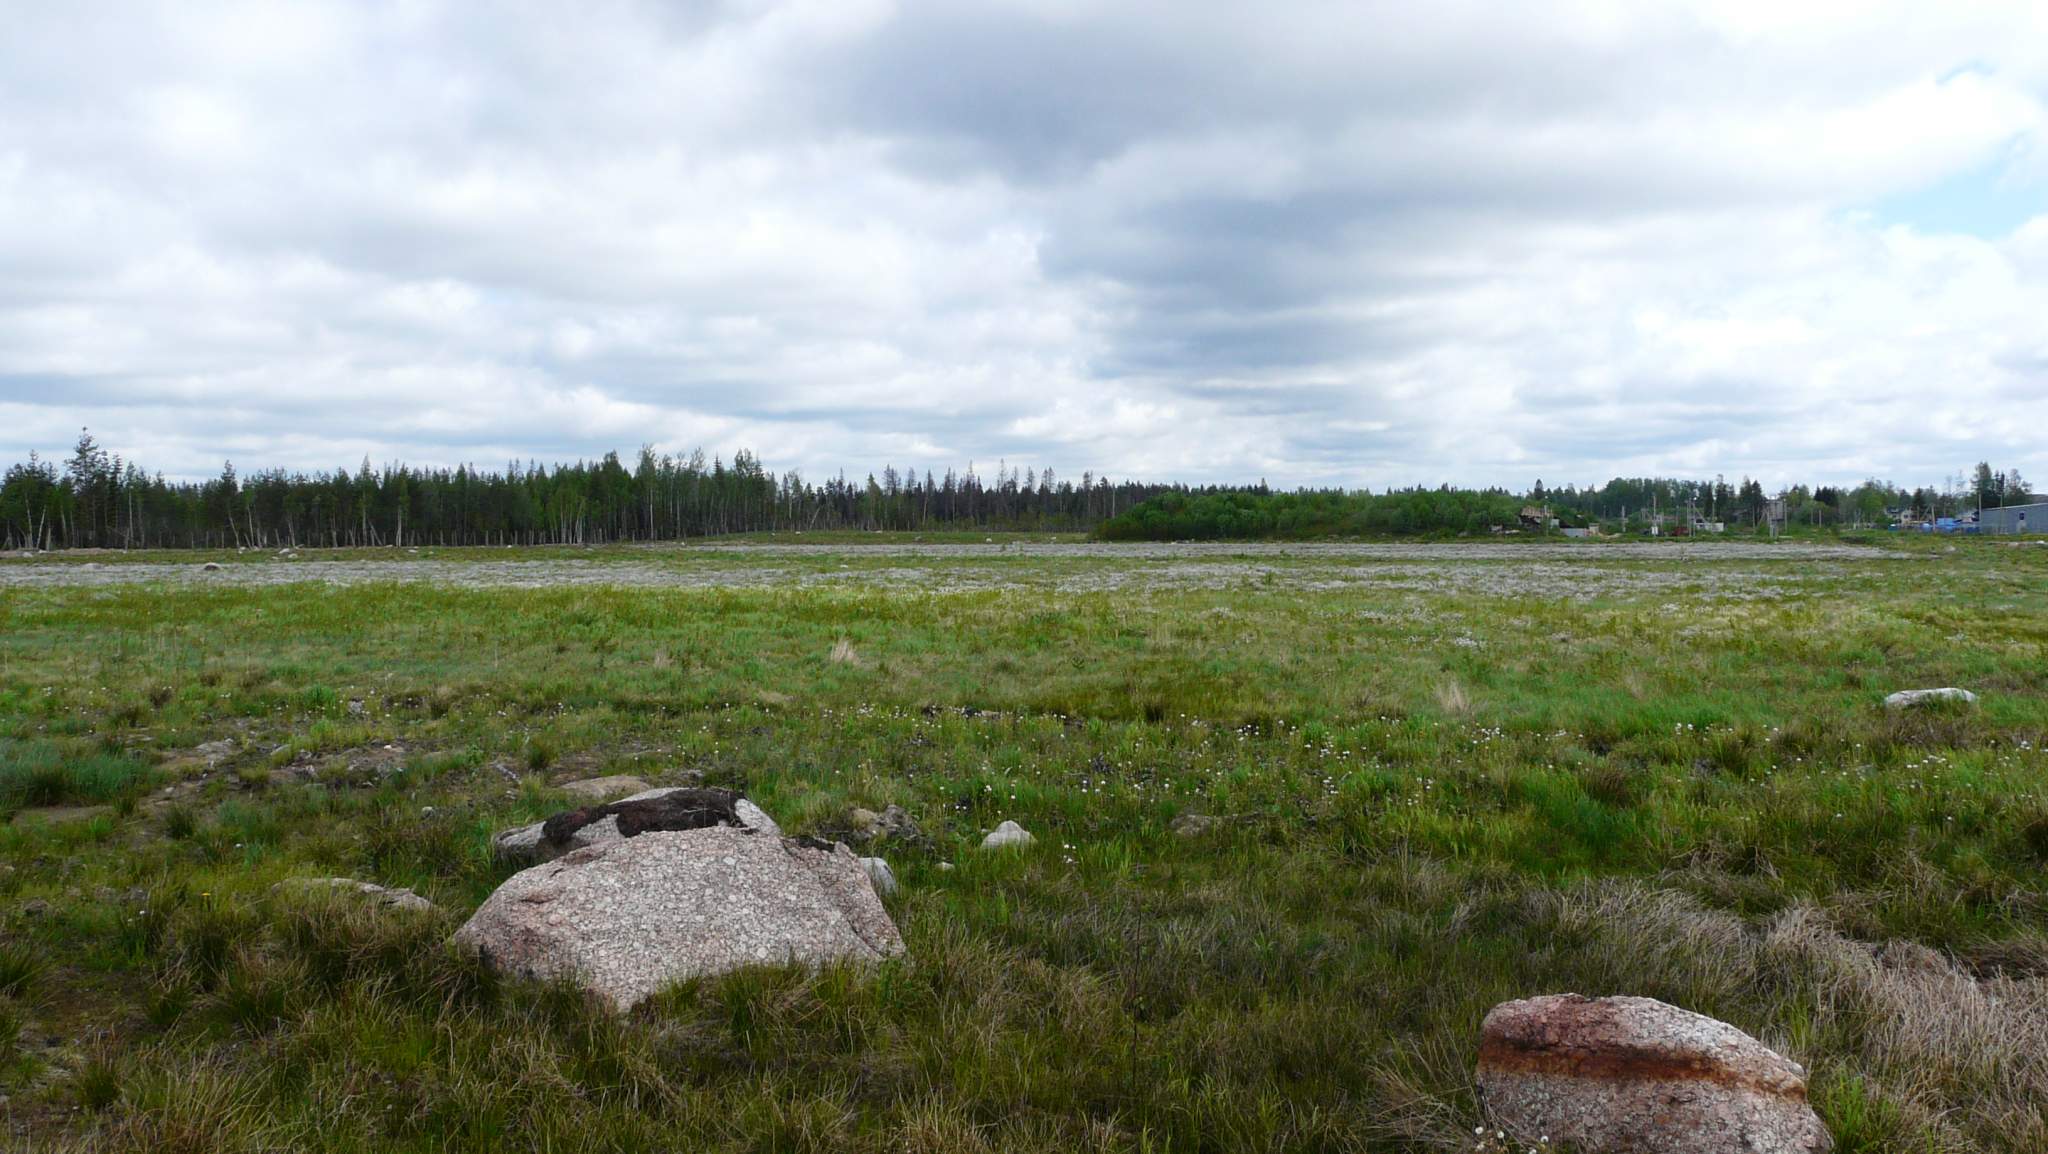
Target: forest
<point x="94" y="499"/>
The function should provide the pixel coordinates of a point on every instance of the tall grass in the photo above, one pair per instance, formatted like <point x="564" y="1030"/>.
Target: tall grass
<point x="44" y="773"/>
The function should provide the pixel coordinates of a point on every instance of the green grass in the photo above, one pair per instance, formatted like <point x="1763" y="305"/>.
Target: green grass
<point x="45" y="773"/>
<point x="1441" y="785"/>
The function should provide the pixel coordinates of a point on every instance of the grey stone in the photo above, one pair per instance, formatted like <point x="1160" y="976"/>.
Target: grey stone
<point x="386" y="896"/>
<point x="880" y="874"/>
<point x="1193" y="824"/>
<point x="752" y="817"/>
<point x="1007" y="834"/>
<point x="215" y="750"/>
<point x="625" y="918"/>
<point x="210" y="567"/>
<point x="1637" y="1076"/>
<point x="601" y="789"/>
<point x="1912" y="698"/>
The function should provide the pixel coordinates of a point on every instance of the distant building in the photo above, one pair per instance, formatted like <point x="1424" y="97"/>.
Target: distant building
<point x="2014" y="519"/>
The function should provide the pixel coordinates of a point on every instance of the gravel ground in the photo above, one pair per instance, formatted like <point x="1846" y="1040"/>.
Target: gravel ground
<point x="1738" y="570"/>
<point x="1586" y="551"/>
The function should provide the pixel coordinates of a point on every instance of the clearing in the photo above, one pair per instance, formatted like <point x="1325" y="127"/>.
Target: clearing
<point x="1439" y="776"/>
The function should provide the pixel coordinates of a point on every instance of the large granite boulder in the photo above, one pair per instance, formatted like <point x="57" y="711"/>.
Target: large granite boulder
<point x="671" y="808"/>
<point x="626" y="917"/>
<point x="1638" y="1076"/>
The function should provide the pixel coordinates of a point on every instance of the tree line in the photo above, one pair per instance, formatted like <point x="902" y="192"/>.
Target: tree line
<point x="1225" y="514"/>
<point x="94" y="499"/>
<point x="97" y="500"/>
<point x="1623" y="504"/>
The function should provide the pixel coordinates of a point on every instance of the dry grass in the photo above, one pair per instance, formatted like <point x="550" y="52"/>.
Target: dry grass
<point x="1964" y="1058"/>
<point x="1452" y="698"/>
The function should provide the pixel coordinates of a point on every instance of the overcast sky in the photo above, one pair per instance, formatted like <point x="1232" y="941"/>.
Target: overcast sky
<point x="1343" y="243"/>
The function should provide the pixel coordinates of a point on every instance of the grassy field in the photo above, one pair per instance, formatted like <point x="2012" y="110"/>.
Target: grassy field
<point x="1440" y="779"/>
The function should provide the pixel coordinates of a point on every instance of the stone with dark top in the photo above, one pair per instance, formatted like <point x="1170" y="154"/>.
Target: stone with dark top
<point x="672" y="808"/>
<point x="629" y="916"/>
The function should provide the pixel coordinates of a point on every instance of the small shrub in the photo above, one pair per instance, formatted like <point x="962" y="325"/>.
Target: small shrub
<point x="2034" y="836"/>
<point x="1613" y="785"/>
<point x="41" y="773"/>
<point x="257" y="991"/>
<point x="97" y="1083"/>
<point x="20" y="964"/>
<point x="180" y="822"/>
<point x="540" y="753"/>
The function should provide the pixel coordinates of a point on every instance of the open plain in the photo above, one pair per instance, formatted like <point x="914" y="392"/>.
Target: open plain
<point x="1302" y="815"/>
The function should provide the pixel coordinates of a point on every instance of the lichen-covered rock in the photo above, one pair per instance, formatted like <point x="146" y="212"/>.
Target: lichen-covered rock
<point x="670" y="808"/>
<point x="1913" y="698"/>
<point x="1638" y="1076"/>
<point x="627" y="917"/>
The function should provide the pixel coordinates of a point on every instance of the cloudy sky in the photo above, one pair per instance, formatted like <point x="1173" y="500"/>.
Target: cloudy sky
<point x="1344" y="243"/>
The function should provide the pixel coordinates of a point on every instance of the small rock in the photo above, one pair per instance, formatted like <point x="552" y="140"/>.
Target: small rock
<point x="893" y="823"/>
<point x="753" y="817"/>
<point x="880" y="874"/>
<point x="946" y="865"/>
<point x="1193" y="824"/>
<point x="210" y="567"/>
<point x="1912" y="698"/>
<point x="215" y="750"/>
<point x="1007" y="834"/>
<point x="1630" y="1075"/>
<point x="386" y="896"/>
<point x="602" y="789"/>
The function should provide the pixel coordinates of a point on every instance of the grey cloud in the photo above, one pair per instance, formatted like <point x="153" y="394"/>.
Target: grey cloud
<point x="1337" y="243"/>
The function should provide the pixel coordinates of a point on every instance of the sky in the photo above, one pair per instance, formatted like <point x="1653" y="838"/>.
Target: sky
<point x="1354" y="243"/>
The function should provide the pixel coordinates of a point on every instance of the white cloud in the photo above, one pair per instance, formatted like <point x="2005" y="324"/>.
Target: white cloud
<point x="1315" y="242"/>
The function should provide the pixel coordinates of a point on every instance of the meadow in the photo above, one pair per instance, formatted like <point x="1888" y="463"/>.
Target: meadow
<point x="1433" y="778"/>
